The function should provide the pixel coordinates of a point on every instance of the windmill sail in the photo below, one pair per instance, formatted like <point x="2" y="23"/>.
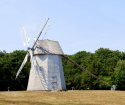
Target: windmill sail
<point x="26" y="39"/>
<point x="40" y="33"/>
<point x="22" y="65"/>
<point x="30" y="51"/>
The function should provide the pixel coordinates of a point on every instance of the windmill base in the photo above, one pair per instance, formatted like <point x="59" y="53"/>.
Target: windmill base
<point x="46" y="73"/>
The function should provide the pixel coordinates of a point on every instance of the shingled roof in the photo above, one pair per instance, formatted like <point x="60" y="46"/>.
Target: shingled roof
<point x="48" y="47"/>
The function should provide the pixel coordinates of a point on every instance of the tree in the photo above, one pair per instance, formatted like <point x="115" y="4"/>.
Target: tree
<point x="108" y="60"/>
<point x="9" y="65"/>
<point x="118" y="77"/>
<point x="107" y="65"/>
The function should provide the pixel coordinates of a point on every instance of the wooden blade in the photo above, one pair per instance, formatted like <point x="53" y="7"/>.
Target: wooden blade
<point x="25" y="37"/>
<point x="40" y="33"/>
<point x="23" y="64"/>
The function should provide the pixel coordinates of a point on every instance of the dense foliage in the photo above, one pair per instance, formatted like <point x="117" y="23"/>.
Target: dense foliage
<point x="107" y="65"/>
<point x="101" y="70"/>
<point x="9" y="64"/>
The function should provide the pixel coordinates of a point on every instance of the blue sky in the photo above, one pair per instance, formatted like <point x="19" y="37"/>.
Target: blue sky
<point x="77" y="24"/>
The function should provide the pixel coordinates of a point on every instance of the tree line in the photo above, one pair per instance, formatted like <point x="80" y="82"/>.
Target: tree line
<point x="102" y="69"/>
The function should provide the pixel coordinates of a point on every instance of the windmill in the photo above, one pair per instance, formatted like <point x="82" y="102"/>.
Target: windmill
<point x="46" y="71"/>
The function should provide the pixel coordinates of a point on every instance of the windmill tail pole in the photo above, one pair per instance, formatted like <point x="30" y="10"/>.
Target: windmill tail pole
<point x="83" y="69"/>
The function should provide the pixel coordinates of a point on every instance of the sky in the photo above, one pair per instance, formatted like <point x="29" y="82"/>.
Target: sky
<point x="78" y="25"/>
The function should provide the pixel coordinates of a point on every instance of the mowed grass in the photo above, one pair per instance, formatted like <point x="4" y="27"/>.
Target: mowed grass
<point x="83" y="97"/>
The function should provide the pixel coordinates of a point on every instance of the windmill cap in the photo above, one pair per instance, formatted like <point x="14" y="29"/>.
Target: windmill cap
<point x="48" y="47"/>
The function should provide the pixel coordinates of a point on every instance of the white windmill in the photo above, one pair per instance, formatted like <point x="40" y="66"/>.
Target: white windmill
<point x="46" y="71"/>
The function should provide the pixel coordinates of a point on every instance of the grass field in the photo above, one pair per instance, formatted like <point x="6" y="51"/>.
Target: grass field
<point x="63" y="98"/>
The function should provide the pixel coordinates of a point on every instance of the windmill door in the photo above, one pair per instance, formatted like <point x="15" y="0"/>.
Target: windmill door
<point x="54" y="83"/>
